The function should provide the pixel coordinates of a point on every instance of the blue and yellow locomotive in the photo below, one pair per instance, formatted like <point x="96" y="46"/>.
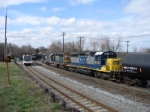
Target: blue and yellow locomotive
<point x="134" y="70"/>
<point x="100" y="64"/>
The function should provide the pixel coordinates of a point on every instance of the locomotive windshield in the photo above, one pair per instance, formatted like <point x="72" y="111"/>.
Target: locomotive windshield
<point x="27" y="58"/>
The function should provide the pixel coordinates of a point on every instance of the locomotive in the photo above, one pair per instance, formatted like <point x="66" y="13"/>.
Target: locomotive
<point x="105" y="65"/>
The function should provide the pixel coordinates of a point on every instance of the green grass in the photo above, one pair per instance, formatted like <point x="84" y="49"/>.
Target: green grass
<point x="23" y="95"/>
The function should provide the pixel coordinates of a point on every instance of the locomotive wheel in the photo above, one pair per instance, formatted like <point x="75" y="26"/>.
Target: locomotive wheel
<point x="144" y="83"/>
<point x="96" y="75"/>
<point x="118" y="80"/>
<point x="128" y="81"/>
<point x="103" y="76"/>
<point x="67" y="69"/>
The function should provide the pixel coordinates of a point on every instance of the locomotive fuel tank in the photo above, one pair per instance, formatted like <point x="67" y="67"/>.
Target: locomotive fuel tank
<point x="137" y="65"/>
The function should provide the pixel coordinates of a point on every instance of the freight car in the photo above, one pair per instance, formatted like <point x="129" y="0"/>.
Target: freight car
<point x="136" y="68"/>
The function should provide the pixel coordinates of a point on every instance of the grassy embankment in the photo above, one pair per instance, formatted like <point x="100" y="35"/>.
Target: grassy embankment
<point x="23" y="95"/>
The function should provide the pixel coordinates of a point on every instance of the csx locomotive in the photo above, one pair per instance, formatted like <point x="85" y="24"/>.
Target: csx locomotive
<point x="105" y="65"/>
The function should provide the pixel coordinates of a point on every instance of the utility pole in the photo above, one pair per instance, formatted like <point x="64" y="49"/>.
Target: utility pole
<point x="63" y="33"/>
<point x="73" y="46"/>
<point x="5" y="49"/>
<point x="80" y="42"/>
<point x="5" y="44"/>
<point x="127" y="46"/>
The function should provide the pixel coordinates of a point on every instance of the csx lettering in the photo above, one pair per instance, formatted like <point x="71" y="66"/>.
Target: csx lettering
<point x="116" y="62"/>
<point x="82" y="60"/>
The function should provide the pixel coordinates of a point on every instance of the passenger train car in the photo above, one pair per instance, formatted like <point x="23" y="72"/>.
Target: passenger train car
<point x="27" y="59"/>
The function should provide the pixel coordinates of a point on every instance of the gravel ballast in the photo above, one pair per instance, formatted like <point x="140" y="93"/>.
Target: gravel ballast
<point x="116" y="101"/>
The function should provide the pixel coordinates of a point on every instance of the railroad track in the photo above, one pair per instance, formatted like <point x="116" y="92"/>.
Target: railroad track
<point x="80" y="101"/>
<point x="139" y="95"/>
<point x="134" y="94"/>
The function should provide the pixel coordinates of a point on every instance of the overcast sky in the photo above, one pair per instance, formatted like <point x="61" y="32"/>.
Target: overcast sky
<point x="40" y="22"/>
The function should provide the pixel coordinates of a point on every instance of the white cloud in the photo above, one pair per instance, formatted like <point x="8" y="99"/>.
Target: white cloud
<point x="140" y="7"/>
<point x="27" y="20"/>
<point x="38" y="36"/>
<point x="75" y="2"/>
<point x="2" y="21"/>
<point x="58" y="9"/>
<point x="104" y="27"/>
<point x="43" y="9"/>
<point x="7" y="3"/>
<point x="47" y="29"/>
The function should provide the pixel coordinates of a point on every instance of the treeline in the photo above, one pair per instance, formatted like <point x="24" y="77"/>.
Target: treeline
<point x="102" y="44"/>
<point x="17" y="51"/>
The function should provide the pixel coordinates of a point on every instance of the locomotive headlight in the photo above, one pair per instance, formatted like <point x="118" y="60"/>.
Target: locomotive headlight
<point x="140" y="69"/>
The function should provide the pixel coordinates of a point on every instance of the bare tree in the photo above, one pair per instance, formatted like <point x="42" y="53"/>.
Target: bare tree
<point x="135" y="49"/>
<point x="42" y="49"/>
<point x="1" y="51"/>
<point x="104" y="43"/>
<point x="69" y="47"/>
<point x="55" y="47"/>
<point x="27" y="49"/>
<point x="77" y="45"/>
<point x="108" y="44"/>
<point x="94" y="44"/>
<point x="117" y="44"/>
<point x="15" y="49"/>
<point x="145" y="50"/>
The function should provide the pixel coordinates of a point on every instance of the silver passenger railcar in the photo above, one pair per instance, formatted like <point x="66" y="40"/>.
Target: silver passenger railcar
<point x="27" y="59"/>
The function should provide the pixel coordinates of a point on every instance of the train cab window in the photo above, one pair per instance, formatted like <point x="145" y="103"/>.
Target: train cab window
<point x="74" y="54"/>
<point x="27" y="58"/>
<point x="97" y="58"/>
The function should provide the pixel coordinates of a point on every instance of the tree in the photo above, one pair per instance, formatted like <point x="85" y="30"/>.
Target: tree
<point x="135" y="49"/>
<point x="42" y="49"/>
<point x="37" y="51"/>
<point x="27" y="49"/>
<point x="14" y="49"/>
<point x="108" y="44"/>
<point x="1" y="51"/>
<point x="145" y="50"/>
<point x="69" y="47"/>
<point x="94" y="44"/>
<point x="55" y="47"/>
<point x="77" y="45"/>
